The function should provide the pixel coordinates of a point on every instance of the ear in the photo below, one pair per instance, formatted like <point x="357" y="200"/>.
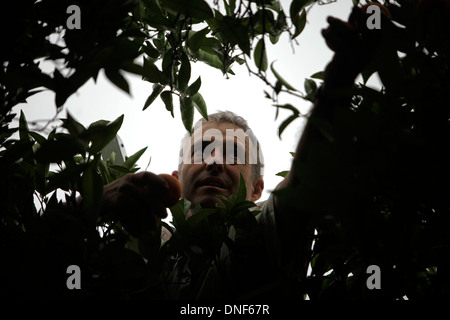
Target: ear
<point x="257" y="189"/>
<point x="175" y="174"/>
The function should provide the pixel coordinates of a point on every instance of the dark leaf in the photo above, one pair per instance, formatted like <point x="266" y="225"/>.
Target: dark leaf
<point x="318" y="75"/>
<point x="310" y="88"/>
<point x="23" y="127"/>
<point x="131" y="160"/>
<point x="75" y="128"/>
<point x="152" y="74"/>
<point x="242" y="190"/>
<point x="232" y="30"/>
<point x="197" y="38"/>
<point x="166" y="97"/>
<point x="280" y="78"/>
<point x="115" y="77"/>
<point x="200" y="105"/>
<point x="61" y="147"/>
<point x="101" y="132"/>
<point x="37" y="137"/>
<point x="91" y="194"/>
<point x="187" y="112"/>
<point x="180" y="212"/>
<point x="185" y="73"/>
<point x="260" y="55"/>
<point x="194" y="87"/>
<point x="300" y="23"/>
<point x="193" y="220"/>
<point x="288" y="107"/>
<point x="208" y="58"/>
<point x="157" y="89"/>
<point x="285" y="123"/>
<point x="297" y="6"/>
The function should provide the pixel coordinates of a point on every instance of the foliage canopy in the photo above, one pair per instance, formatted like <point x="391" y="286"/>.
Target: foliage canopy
<point x="383" y="200"/>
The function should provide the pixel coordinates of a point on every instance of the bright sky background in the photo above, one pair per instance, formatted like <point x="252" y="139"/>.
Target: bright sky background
<point x="242" y="94"/>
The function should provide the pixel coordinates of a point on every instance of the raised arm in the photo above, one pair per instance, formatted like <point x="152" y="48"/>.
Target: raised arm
<point x="353" y="44"/>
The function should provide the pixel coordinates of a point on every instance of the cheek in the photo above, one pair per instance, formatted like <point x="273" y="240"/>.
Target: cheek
<point x="246" y="174"/>
<point x="187" y="173"/>
<point x="184" y="178"/>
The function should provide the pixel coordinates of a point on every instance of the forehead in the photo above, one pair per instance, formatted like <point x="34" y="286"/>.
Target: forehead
<point x="228" y="131"/>
<point x="222" y="126"/>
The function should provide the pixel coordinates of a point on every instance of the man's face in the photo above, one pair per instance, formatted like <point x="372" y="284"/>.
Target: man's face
<point x="216" y="174"/>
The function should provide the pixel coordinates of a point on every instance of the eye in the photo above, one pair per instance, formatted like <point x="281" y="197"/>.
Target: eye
<point x="236" y="155"/>
<point x="197" y="152"/>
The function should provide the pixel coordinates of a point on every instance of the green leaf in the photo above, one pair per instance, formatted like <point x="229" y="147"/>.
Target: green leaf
<point x="117" y="78"/>
<point x="37" y="137"/>
<point x="208" y="58"/>
<point x="23" y="127"/>
<point x="282" y="174"/>
<point x="288" y="107"/>
<point x="120" y="169"/>
<point x="152" y="74"/>
<point x="297" y="6"/>
<point x="197" y="38"/>
<point x="187" y="112"/>
<point x="242" y="189"/>
<point x="157" y="89"/>
<point x="194" y="87"/>
<point x="180" y="212"/>
<point x="260" y="55"/>
<point x="91" y="193"/>
<point x="150" y="50"/>
<point x="232" y="30"/>
<point x="310" y="88"/>
<point x="227" y="203"/>
<point x="60" y="147"/>
<point x="280" y="78"/>
<point x="299" y="23"/>
<point x="75" y="128"/>
<point x="285" y="123"/>
<point x="200" y="105"/>
<point x="318" y="75"/>
<point x="166" y="97"/>
<point x="101" y="132"/>
<point x="131" y="161"/>
<point x="185" y="72"/>
<point x="202" y="214"/>
<point x="105" y="173"/>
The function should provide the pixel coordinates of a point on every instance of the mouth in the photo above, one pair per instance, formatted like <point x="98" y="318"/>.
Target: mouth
<point x="214" y="182"/>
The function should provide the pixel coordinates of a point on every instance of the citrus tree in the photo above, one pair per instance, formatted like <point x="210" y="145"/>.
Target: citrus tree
<point x="382" y="201"/>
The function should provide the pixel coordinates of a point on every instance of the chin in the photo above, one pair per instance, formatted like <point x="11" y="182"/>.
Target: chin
<point x="207" y="198"/>
<point x="210" y="202"/>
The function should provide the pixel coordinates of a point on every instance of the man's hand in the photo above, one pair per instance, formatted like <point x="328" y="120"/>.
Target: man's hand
<point x="353" y="45"/>
<point x="137" y="201"/>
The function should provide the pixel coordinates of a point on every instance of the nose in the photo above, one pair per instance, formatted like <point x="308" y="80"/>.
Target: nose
<point x="214" y="162"/>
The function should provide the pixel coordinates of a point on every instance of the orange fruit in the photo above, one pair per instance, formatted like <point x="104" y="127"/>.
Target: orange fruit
<point x="173" y="195"/>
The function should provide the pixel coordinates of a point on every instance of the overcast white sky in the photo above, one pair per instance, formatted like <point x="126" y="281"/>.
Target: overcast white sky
<point x="242" y="94"/>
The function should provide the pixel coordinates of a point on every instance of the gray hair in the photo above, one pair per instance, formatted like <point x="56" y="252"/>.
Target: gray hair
<point x="231" y="117"/>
